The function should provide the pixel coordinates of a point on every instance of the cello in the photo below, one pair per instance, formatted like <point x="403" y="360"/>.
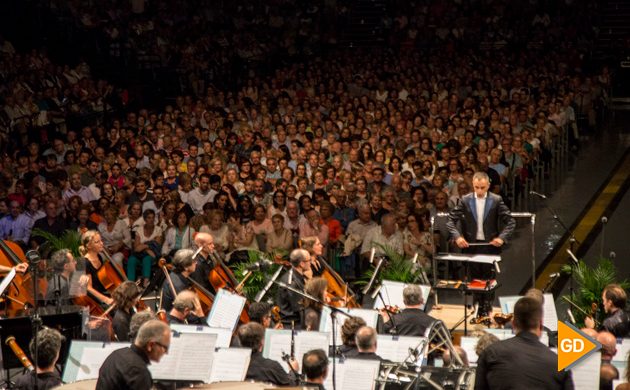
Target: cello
<point x="340" y="294"/>
<point x="21" y="291"/>
<point x="111" y="276"/>
<point x="221" y="276"/>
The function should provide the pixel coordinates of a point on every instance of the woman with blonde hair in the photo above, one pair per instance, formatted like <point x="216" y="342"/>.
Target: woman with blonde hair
<point x="92" y="249"/>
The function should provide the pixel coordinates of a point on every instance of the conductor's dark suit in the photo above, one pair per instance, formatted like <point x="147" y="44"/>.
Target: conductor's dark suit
<point x="520" y="363"/>
<point x="409" y="322"/>
<point x="497" y="221"/>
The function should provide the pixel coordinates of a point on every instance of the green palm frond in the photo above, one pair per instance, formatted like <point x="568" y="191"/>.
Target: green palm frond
<point x="70" y="239"/>
<point x="399" y="268"/>
<point x="258" y="280"/>
<point x="591" y="282"/>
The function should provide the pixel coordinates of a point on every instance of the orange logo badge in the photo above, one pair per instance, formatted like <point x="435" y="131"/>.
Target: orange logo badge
<point x="573" y="346"/>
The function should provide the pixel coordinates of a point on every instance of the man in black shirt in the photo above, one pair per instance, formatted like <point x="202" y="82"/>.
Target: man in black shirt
<point x="186" y="309"/>
<point x="366" y="344"/>
<point x="50" y="223"/>
<point x="205" y="262"/>
<point x="126" y="368"/>
<point x="618" y="322"/>
<point x="411" y="321"/>
<point x="185" y="266"/>
<point x="251" y="335"/>
<point x="315" y="367"/>
<point x="48" y="346"/>
<point x="288" y="301"/>
<point x="522" y="362"/>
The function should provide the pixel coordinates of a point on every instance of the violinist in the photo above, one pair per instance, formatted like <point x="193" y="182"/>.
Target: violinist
<point x="125" y="298"/>
<point x="288" y="301"/>
<point x="316" y="288"/>
<point x="91" y="249"/>
<point x="64" y="265"/>
<point x="315" y="249"/>
<point x="614" y="299"/>
<point x="205" y="264"/>
<point x="186" y="309"/>
<point x="411" y="321"/>
<point x="184" y="266"/>
<point x="261" y="312"/>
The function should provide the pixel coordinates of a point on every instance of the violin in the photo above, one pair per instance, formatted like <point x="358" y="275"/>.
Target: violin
<point x="20" y="293"/>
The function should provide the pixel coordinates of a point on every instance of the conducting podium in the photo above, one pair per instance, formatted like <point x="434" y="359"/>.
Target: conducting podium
<point x="467" y="285"/>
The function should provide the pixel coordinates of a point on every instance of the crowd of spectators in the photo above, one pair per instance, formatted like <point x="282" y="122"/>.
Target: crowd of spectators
<point x="350" y="146"/>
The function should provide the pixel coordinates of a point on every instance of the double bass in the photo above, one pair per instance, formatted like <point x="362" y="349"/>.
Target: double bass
<point x="20" y="293"/>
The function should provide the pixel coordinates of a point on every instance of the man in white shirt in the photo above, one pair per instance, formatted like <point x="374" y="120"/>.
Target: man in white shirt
<point x="201" y="195"/>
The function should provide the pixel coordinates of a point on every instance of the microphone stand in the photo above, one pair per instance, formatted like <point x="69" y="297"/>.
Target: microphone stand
<point x="572" y="242"/>
<point x="36" y="321"/>
<point x="333" y="319"/>
<point x="58" y="292"/>
<point x="368" y="287"/>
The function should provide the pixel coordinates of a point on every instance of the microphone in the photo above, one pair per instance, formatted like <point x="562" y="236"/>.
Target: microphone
<point x="573" y="256"/>
<point x="604" y="220"/>
<point x="538" y="194"/>
<point x="32" y="256"/>
<point x="372" y="252"/>
<point x="259" y="265"/>
<point x="554" y="275"/>
<point x="571" y="318"/>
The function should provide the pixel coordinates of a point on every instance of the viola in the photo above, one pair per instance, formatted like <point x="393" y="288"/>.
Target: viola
<point x="20" y="293"/>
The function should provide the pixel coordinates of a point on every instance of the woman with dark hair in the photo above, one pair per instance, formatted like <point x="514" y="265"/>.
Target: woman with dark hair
<point x="125" y="297"/>
<point x="82" y="224"/>
<point x="417" y="240"/>
<point x="73" y="204"/>
<point x="146" y="247"/>
<point x="315" y="287"/>
<point x="279" y="203"/>
<point x="306" y="203"/>
<point x="245" y="209"/>
<point x="245" y="170"/>
<point x="108" y="192"/>
<point x="222" y="202"/>
<point x="179" y="235"/>
<point x="349" y="330"/>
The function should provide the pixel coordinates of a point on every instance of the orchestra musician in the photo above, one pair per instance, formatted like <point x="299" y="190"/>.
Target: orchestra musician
<point x="288" y="301"/>
<point x="411" y="321"/>
<point x="126" y="368"/>
<point x="252" y="335"/>
<point x="137" y="320"/>
<point x="22" y="268"/>
<point x="186" y="309"/>
<point x="125" y="297"/>
<point x="261" y="312"/>
<point x="184" y="266"/>
<point x="366" y="344"/>
<point x="315" y="368"/>
<point x="205" y="241"/>
<point x="64" y="265"/>
<point x="523" y="361"/>
<point x="614" y="299"/>
<point x="316" y="288"/>
<point x="349" y="330"/>
<point x="91" y="248"/>
<point x="315" y="249"/>
<point x="45" y="375"/>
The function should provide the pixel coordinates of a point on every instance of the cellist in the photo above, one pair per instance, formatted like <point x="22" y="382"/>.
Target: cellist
<point x="91" y="248"/>
<point x="205" y="264"/>
<point x="21" y="268"/>
<point x="288" y="301"/>
<point x="184" y="266"/>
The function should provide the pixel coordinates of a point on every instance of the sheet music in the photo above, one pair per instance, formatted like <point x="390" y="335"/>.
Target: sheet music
<point x="623" y="348"/>
<point x="226" y="310"/>
<point x="224" y="335"/>
<point x="550" y="315"/>
<point x="7" y="280"/>
<point x="279" y="340"/>
<point x="75" y="289"/>
<point x="486" y="259"/>
<point x="586" y="373"/>
<point x="468" y="344"/>
<point x="189" y="358"/>
<point x="396" y="348"/>
<point x="354" y="374"/>
<point x="392" y="293"/>
<point x="92" y="358"/>
<point x="230" y="364"/>
<point x="325" y="323"/>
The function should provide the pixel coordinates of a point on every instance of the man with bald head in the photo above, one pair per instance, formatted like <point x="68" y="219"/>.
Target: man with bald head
<point x="205" y="263"/>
